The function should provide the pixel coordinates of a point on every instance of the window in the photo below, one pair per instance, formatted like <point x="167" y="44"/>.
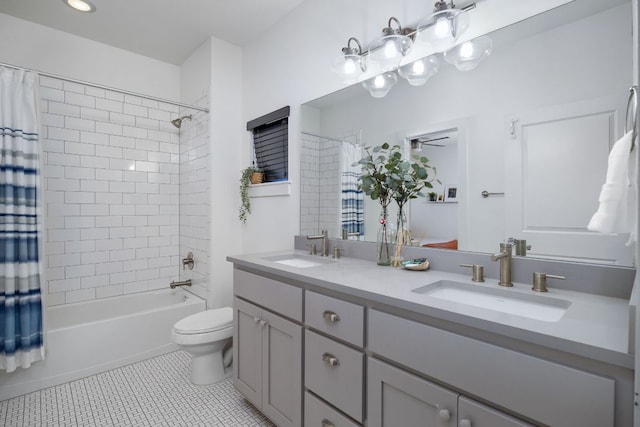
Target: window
<point x="271" y="144"/>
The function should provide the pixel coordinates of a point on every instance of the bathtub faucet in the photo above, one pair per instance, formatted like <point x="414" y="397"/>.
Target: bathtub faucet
<point x="173" y="284"/>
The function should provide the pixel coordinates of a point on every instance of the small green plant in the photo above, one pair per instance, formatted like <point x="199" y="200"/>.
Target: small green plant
<point x="245" y="180"/>
<point x="432" y="196"/>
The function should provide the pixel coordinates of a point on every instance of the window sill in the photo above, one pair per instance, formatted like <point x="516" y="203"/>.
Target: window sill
<point x="270" y="189"/>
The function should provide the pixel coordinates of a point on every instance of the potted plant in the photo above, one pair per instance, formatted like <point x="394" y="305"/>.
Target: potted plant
<point x="249" y="175"/>
<point x="432" y="196"/>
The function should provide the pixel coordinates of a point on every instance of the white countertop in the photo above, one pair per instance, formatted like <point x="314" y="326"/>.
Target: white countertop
<point x="594" y="326"/>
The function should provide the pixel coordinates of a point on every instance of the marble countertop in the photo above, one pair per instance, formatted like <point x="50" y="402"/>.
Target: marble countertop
<point x="593" y="326"/>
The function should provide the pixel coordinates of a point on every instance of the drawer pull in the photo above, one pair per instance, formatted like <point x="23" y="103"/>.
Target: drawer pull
<point x="444" y="414"/>
<point x="465" y="423"/>
<point x="327" y="423"/>
<point x="330" y="316"/>
<point x="330" y="359"/>
<point x="262" y="323"/>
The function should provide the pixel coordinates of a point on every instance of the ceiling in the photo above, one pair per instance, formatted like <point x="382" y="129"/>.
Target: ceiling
<point x="167" y="30"/>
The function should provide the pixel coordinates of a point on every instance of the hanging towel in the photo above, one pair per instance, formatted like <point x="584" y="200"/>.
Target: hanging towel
<point x="616" y="211"/>
<point x="352" y="206"/>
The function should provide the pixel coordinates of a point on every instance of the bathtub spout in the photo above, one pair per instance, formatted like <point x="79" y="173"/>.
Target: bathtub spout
<point x="173" y="284"/>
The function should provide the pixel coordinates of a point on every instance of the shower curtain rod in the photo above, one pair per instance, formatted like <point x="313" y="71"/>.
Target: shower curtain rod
<point x="99" y="86"/>
<point x="330" y="139"/>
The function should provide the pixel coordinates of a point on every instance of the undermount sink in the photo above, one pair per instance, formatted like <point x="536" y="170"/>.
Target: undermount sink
<point x="299" y="261"/>
<point x="547" y="309"/>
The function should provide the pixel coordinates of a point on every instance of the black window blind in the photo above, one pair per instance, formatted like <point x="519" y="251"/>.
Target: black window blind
<point x="271" y="144"/>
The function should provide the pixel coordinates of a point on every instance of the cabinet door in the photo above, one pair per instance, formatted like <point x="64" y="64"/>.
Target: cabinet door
<point x="474" y="414"/>
<point x="247" y="350"/>
<point x="281" y="370"/>
<point x="397" y="398"/>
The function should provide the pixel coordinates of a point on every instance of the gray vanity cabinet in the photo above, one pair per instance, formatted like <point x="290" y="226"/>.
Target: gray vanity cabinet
<point x="397" y="398"/>
<point x="267" y="353"/>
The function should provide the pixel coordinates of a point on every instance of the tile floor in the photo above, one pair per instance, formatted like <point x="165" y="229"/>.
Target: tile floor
<point x="154" y="392"/>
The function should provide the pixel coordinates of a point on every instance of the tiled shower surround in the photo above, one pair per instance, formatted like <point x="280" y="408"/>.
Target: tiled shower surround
<point x="320" y="183"/>
<point x="112" y="182"/>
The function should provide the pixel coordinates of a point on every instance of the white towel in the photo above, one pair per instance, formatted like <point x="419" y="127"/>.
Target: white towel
<point x="616" y="211"/>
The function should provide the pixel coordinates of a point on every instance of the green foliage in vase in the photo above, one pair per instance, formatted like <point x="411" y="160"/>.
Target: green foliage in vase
<point x="387" y="176"/>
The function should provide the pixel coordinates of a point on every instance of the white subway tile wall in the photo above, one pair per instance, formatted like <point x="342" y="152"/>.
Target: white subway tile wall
<point x="111" y="183"/>
<point x="320" y="181"/>
<point x="195" y="186"/>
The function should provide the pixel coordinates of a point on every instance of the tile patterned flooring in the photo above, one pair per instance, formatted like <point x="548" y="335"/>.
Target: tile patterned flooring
<point x="154" y="392"/>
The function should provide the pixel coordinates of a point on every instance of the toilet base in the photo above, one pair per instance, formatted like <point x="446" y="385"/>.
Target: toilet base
<point x="208" y="369"/>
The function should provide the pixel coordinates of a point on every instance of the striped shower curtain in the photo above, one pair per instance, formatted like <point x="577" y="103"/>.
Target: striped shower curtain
<point x="21" y="337"/>
<point x="352" y="210"/>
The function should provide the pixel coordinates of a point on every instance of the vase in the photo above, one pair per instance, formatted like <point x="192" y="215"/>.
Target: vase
<point x="402" y="238"/>
<point x="383" y="245"/>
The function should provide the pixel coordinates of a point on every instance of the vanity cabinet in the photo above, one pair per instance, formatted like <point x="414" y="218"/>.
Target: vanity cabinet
<point x="334" y="359"/>
<point x="267" y="352"/>
<point x="548" y="392"/>
<point x="398" y="398"/>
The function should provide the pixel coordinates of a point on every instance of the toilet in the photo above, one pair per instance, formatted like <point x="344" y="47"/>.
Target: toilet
<point x="205" y="336"/>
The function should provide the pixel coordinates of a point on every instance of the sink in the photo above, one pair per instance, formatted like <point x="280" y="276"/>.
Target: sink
<point x="299" y="261"/>
<point x="546" y="309"/>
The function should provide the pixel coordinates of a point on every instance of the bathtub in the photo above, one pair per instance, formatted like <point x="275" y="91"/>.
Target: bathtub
<point x="94" y="336"/>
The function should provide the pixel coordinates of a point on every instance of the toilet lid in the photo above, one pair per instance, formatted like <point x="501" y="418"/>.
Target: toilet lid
<point x="205" y="321"/>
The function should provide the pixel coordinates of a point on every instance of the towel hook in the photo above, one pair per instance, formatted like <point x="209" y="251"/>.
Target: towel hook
<point x="633" y="98"/>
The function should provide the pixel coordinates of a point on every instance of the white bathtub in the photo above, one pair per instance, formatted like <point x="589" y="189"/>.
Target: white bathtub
<point x="90" y="337"/>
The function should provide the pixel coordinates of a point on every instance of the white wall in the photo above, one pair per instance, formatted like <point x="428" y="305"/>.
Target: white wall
<point x="34" y="46"/>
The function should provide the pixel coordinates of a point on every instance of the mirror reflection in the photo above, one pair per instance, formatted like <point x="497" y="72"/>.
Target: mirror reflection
<point x="532" y="126"/>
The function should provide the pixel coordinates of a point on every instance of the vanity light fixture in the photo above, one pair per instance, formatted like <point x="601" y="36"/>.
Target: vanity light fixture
<point x="466" y="56"/>
<point x="381" y="84"/>
<point x="442" y="29"/>
<point x="418" y="72"/>
<point x="80" y="5"/>
<point x="350" y="65"/>
<point x="389" y="49"/>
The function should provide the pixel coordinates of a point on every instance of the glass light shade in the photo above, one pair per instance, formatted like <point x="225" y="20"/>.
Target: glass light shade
<point x="381" y="84"/>
<point x="442" y="29"/>
<point x="466" y="56"/>
<point x="388" y="51"/>
<point x="418" y="72"/>
<point x="348" y="67"/>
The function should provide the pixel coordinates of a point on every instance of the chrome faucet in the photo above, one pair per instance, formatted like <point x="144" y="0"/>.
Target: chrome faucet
<point x="505" y="264"/>
<point x="324" y="237"/>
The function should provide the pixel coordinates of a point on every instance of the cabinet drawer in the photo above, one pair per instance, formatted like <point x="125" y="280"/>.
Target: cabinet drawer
<point x="277" y="296"/>
<point x="548" y="392"/>
<point x="334" y="372"/>
<point x="475" y="414"/>
<point x="319" y="414"/>
<point x="335" y="317"/>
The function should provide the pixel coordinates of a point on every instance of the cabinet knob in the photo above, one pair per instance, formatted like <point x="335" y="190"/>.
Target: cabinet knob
<point x="327" y="423"/>
<point x="444" y="414"/>
<point x="256" y="319"/>
<point x="262" y="323"/>
<point x="330" y="359"/>
<point x="464" y="423"/>
<point x="331" y="316"/>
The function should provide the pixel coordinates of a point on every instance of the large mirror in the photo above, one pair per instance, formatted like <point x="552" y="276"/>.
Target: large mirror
<point x="531" y="128"/>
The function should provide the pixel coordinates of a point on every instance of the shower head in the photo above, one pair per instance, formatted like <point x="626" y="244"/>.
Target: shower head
<point x="178" y="122"/>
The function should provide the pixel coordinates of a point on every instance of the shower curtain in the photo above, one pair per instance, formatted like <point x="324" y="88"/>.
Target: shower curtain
<point x="352" y="197"/>
<point x="21" y="337"/>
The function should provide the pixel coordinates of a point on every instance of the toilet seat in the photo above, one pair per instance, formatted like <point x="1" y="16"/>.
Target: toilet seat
<point x="205" y="322"/>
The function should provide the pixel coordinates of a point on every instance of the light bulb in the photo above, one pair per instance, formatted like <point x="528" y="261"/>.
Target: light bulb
<point x="417" y="67"/>
<point x="80" y="5"/>
<point x="390" y="50"/>
<point x="466" y="50"/>
<point x="442" y="27"/>
<point x="378" y="82"/>
<point x="349" y="66"/>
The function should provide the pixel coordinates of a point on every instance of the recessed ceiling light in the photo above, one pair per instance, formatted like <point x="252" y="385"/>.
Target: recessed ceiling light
<point x="81" y="5"/>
